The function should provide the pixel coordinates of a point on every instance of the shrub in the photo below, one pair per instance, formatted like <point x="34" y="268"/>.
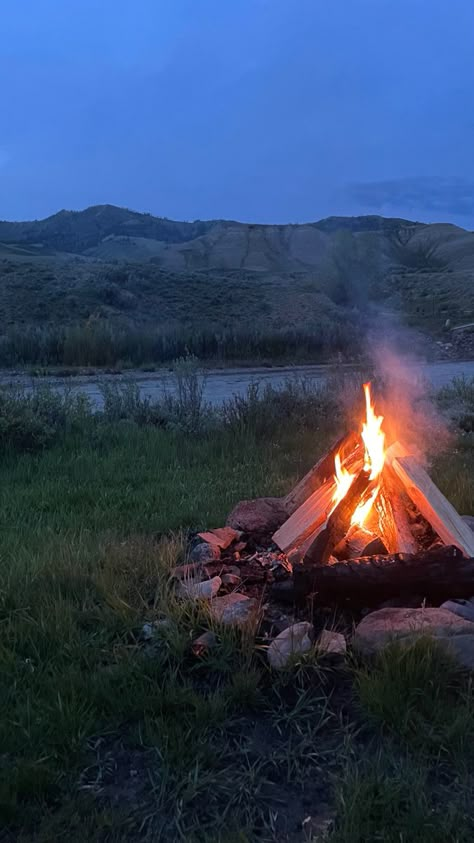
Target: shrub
<point x="32" y="421"/>
<point x="185" y="406"/>
<point x="122" y="401"/>
<point x="299" y="402"/>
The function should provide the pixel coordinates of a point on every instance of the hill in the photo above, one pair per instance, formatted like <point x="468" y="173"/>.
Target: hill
<point x="133" y="272"/>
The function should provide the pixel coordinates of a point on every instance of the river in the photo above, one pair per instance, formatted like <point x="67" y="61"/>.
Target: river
<point x="221" y="384"/>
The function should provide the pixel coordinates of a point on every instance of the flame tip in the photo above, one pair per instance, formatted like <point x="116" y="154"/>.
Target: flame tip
<point x="373" y="438"/>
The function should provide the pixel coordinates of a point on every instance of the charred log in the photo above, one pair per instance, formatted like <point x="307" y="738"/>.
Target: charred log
<point x="435" y="574"/>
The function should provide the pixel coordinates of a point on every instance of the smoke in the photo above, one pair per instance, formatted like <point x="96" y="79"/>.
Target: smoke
<point x="404" y="395"/>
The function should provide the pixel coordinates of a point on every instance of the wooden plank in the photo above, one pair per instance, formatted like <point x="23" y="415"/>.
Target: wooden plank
<point x="306" y="519"/>
<point x="319" y="473"/>
<point x="433" y="505"/>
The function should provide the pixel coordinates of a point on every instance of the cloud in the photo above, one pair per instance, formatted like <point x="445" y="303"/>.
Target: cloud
<point x="427" y="195"/>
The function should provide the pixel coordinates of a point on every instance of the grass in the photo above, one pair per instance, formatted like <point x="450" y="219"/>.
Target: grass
<point x="420" y="695"/>
<point x="392" y="799"/>
<point x="108" y="738"/>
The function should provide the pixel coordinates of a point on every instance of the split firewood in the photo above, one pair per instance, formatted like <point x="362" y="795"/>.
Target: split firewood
<point x="396" y="449"/>
<point x="322" y="471"/>
<point x="435" y="574"/>
<point x="375" y="547"/>
<point x="307" y="518"/>
<point x="389" y="518"/>
<point x="338" y="522"/>
<point x="311" y="515"/>
<point x="433" y="505"/>
<point x="353" y="544"/>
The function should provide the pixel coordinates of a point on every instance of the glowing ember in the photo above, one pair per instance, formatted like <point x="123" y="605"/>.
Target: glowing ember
<point x="374" y="443"/>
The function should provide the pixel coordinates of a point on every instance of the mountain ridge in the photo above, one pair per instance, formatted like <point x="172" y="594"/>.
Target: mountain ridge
<point x="108" y="232"/>
<point x="138" y="270"/>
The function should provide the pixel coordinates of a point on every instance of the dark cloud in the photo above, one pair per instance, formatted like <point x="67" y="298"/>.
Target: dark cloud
<point x="434" y="196"/>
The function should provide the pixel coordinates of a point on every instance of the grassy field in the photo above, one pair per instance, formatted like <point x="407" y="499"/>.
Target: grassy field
<point x="106" y="738"/>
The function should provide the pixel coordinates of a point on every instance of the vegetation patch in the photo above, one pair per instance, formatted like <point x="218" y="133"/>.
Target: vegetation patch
<point x="111" y="735"/>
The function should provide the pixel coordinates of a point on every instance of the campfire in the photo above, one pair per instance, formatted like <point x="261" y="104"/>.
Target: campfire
<point x="368" y="521"/>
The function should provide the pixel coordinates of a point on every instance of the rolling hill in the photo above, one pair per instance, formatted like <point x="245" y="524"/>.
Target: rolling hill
<point x="137" y="272"/>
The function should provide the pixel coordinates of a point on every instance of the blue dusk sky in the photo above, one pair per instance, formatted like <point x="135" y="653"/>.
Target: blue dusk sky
<point x="258" y="110"/>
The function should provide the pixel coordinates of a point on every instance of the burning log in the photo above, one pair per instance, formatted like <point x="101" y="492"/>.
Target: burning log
<point x="433" y="505"/>
<point x="306" y="519"/>
<point x="390" y="520"/>
<point x="338" y="522"/>
<point x="322" y="471"/>
<point x="352" y="546"/>
<point x="436" y="574"/>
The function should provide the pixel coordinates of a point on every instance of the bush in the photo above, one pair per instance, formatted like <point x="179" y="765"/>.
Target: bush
<point x="299" y="402"/>
<point x="122" y="401"/>
<point x="32" y="421"/>
<point x="185" y="407"/>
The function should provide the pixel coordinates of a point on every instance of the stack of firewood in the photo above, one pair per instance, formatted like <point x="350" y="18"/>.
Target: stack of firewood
<point x="414" y="540"/>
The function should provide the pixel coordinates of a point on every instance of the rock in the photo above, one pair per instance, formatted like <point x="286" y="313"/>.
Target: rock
<point x="379" y="628"/>
<point x="183" y="572"/>
<point x="231" y="579"/>
<point x="204" y="643"/>
<point x="332" y="642"/>
<point x="295" y="640"/>
<point x="146" y="632"/>
<point x="222" y="537"/>
<point x="204" y="552"/>
<point x="150" y="630"/>
<point x="259" y="518"/>
<point x="234" y="609"/>
<point x="319" y="828"/>
<point x="201" y="590"/>
<point x="463" y="608"/>
<point x="469" y="519"/>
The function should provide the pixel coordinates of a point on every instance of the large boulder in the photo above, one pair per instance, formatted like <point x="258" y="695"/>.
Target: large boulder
<point x="259" y="518"/>
<point x="380" y="628"/>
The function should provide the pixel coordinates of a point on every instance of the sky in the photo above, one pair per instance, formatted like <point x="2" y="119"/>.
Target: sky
<point x="255" y="110"/>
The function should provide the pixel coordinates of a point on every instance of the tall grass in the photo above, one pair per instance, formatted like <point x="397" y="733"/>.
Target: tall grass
<point x="98" y="342"/>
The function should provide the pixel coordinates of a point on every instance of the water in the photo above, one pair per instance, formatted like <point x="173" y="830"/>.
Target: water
<point x="223" y="383"/>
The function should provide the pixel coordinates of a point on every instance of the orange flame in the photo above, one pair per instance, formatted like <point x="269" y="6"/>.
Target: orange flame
<point x="373" y="438"/>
